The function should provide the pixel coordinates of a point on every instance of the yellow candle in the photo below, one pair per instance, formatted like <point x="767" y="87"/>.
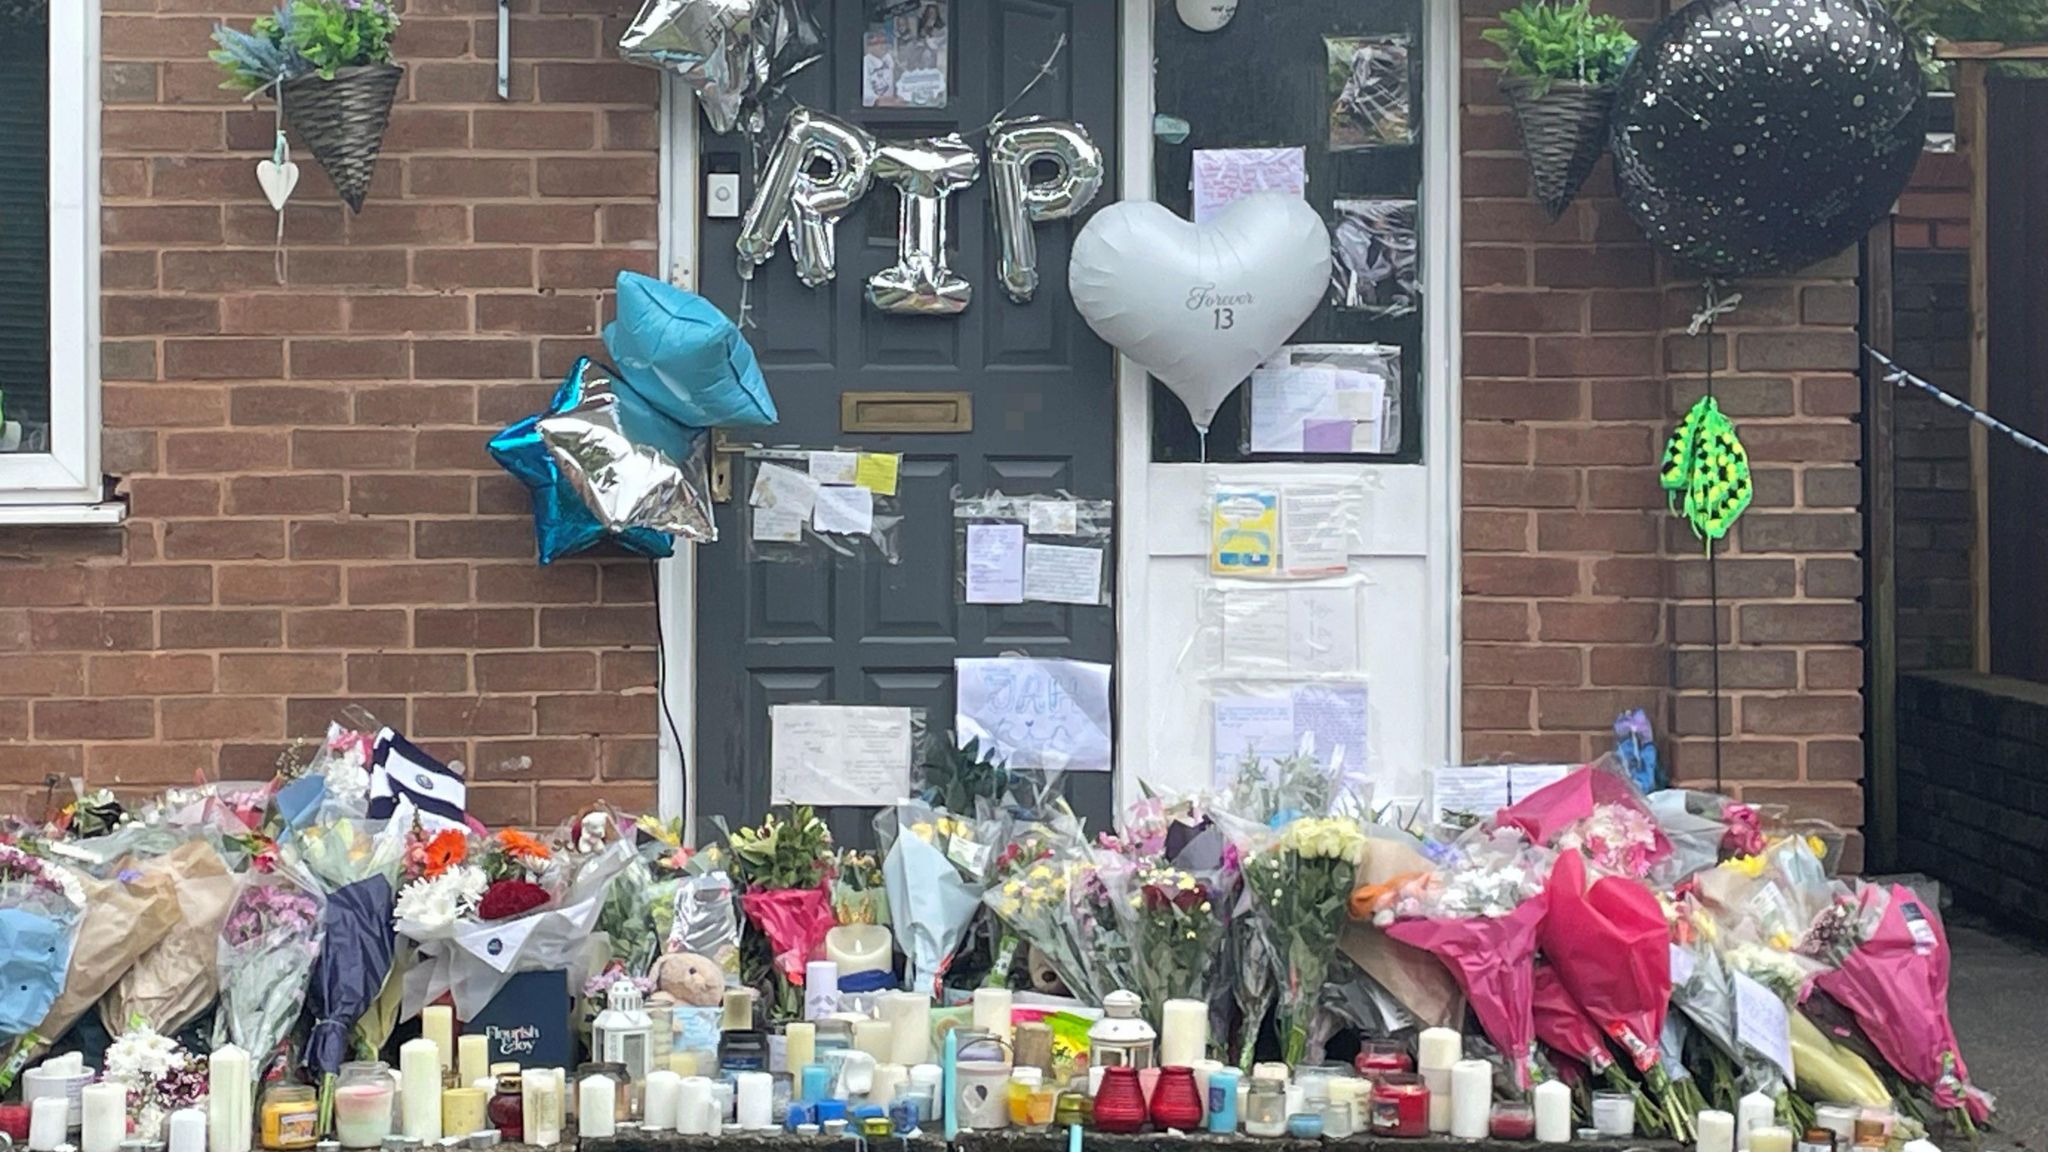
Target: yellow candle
<point x="462" y="1111"/>
<point x="874" y="1037"/>
<point x="472" y="1058"/>
<point x="683" y="1063"/>
<point x="1770" y="1140"/>
<point x="800" y="1045"/>
<point x="437" y="1023"/>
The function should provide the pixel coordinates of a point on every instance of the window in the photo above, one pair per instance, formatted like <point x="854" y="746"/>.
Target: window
<point x="1344" y="82"/>
<point x="49" y="259"/>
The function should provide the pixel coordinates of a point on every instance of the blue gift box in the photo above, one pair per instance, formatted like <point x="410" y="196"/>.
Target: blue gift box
<point x="528" y="1022"/>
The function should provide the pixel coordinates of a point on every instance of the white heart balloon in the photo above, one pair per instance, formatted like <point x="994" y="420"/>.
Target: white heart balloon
<point x="1206" y="15"/>
<point x="277" y="180"/>
<point x="1201" y="305"/>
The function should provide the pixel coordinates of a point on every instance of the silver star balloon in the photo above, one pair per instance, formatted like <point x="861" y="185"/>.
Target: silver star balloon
<point x="728" y="51"/>
<point x="627" y="485"/>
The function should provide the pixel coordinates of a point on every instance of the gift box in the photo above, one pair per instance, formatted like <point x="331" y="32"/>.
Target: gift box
<point x="528" y="1022"/>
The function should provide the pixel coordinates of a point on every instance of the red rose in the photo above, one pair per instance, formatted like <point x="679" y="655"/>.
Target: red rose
<point x="508" y="898"/>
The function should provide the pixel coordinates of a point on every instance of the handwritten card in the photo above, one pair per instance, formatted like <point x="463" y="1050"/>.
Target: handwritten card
<point x="1329" y="719"/>
<point x="1035" y="713"/>
<point x="1762" y="1022"/>
<point x="834" y="467"/>
<point x="838" y="754"/>
<point x="1290" y="629"/>
<point x="1224" y="176"/>
<point x="847" y="511"/>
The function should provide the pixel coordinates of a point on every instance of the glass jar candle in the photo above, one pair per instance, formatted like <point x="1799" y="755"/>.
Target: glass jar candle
<point x="1400" y="1105"/>
<point x="363" y="1096"/>
<point x="1512" y="1120"/>
<point x="507" y="1111"/>
<point x="290" y="1116"/>
<point x="1377" y="1056"/>
<point x="1614" y="1113"/>
<point x="1031" y="1099"/>
<point x="1265" y="1107"/>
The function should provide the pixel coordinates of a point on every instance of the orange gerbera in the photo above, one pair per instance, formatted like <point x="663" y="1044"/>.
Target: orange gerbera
<point x="447" y="849"/>
<point x="520" y="844"/>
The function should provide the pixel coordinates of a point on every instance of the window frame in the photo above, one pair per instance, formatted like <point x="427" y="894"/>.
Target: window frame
<point x="39" y="486"/>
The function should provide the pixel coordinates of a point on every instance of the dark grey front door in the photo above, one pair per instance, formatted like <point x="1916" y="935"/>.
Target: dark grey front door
<point x="857" y="630"/>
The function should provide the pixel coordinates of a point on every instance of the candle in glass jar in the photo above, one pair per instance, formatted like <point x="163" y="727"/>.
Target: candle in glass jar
<point x="1614" y="1113"/>
<point x="1752" y="1112"/>
<point x="362" y="1110"/>
<point x="597" y="1103"/>
<point x="1553" y="1112"/>
<point x="1437" y="1049"/>
<point x="1471" y="1098"/>
<point x="1183" y="1032"/>
<point x="1715" y="1131"/>
<point x="1770" y="1139"/>
<point x="419" y="1074"/>
<point x="437" y="1023"/>
<point x="1400" y="1105"/>
<point x="540" y="1106"/>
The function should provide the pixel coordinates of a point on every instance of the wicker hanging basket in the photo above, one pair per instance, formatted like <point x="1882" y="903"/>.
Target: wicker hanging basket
<point x="1564" y="131"/>
<point x="343" y="121"/>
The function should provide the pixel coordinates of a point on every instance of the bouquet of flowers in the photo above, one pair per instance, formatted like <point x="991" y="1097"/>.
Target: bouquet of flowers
<point x="935" y="868"/>
<point x="1478" y="913"/>
<point x="858" y="892"/>
<point x="784" y="868"/>
<point x="174" y="982"/>
<point x="1030" y="901"/>
<point x="128" y="911"/>
<point x="1300" y="883"/>
<point x="1595" y="811"/>
<point x="1101" y="872"/>
<point x="159" y="1075"/>
<point x="1174" y="920"/>
<point x="41" y="904"/>
<point x="268" y="945"/>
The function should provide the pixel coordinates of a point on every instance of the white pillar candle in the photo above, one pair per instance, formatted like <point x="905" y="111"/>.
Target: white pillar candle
<point x="473" y="1058"/>
<point x="597" y="1099"/>
<point x="992" y="1012"/>
<point x="693" y="1106"/>
<point x="799" y="1046"/>
<point x="1715" y="1131"/>
<point x="910" y="1026"/>
<point x="753" y="1100"/>
<point x="540" y="1106"/>
<point x="821" y="989"/>
<point x="874" y="1037"/>
<point x="1752" y="1112"/>
<point x="889" y="1080"/>
<point x="437" y="1023"/>
<point x="230" y="1104"/>
<point x="1839" y="1119"/>
<point x="858" y="948"/>
<point x="1771" y="1139"/>
<point x="1202" y="1069"/>
<point x="105" y="1118"/>
<point x="658" y="1111"/>
<point x="1471" y="1099"/>
<point x="419" y="1074"/>
<point x="1436" y="1049"/>
<point x="187" y="1130"/>
<point x="1183" y="1033"/>
<point x="1553" y="1112"/>
<point x="49" y="1123"/>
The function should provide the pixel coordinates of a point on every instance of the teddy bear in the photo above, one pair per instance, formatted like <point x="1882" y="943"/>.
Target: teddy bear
<point x="688" y="978"/>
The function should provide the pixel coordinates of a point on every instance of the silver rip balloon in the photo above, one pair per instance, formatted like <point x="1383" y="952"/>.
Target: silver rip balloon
<point x="926" y="173"/>
<point x="626" y="485"/>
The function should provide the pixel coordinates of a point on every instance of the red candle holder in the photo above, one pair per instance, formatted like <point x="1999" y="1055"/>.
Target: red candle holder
<point x="1400" y="1105"/>
<point x="1120" y="1101"/>
<point x="14" y="1121"/>
<point x="1175" y="1102"/>
<point x="1379" y="1056"/>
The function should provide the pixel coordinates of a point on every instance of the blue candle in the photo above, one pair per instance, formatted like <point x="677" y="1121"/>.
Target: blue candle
<point x="1223" y="1099"/>
<point x="817" y="1083"/>
<point x="949" y="1079"/>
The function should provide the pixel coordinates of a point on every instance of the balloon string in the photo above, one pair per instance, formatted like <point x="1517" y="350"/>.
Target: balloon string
<point x="1044" y="70"/>
<point x="279" y="155"/>
<point x="1716" y="307"/>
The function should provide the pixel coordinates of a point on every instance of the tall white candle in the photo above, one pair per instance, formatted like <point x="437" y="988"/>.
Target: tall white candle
<point x="1752" y="1112"/>
<point x="693" y="1107"/>
<point x="437" y="1023"/>
<point x="753" y="1100"/>
<point x="1471" y="1099"/>
<point x="1716" y="1131"/>
<point x="910" y="1026"/>
<point x="992" y="1012"/>
<point x="106" y="1118"/>
<point x="419" y="1074"/>
<point x="540" y="1106"/>
<point x="187" y="1130"/>
<point x="1183" y="1033"/>
<point x="1436" y="1049"/>
<point x="799" y="1046"/>
<point x="874" y="1037"/>
<point x="49" y="1122"/>
<point x="1553" y="1112"/>
<point x="230" y="1103"/>
<point x="821" y="989"/>
<point x="597" y="1099"/>
<point x="472" y="1058"/>
<point x="658" y="1111"/>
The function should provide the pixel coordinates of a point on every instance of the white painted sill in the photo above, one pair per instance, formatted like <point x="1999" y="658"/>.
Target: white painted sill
<point x="105" y="513"/>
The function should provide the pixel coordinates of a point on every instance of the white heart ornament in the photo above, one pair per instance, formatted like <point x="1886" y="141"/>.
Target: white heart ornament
<point x="1201" y="305"/>
<point x="277" y="180"/>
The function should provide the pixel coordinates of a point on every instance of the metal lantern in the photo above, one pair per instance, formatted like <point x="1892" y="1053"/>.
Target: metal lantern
<point x="1121" y="1037"/>
<point x="623" y="1032"/>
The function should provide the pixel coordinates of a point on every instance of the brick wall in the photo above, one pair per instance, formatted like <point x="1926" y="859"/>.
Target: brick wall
<point x="1935" y="518"/>
<point x="314" y="520"/>
<point x="1583" y="596"/>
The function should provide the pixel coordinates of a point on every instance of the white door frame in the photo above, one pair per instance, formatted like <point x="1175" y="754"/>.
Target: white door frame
<point x="1441" y="374"/>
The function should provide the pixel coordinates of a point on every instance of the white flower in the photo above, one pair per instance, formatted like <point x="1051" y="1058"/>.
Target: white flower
<point x="440" y="901"/>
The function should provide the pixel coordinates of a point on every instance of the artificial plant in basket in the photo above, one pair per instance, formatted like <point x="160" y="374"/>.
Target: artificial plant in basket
<point x="330" y="61"/>
<point x="1559" y="78"/>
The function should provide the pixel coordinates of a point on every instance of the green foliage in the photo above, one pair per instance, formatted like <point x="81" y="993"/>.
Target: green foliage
<point x="305" y="36"/>
<point x="1546" y="42"/>
<point x="1999" y="21"/>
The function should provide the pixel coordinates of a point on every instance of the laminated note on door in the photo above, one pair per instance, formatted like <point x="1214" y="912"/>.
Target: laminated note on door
<point x="995" y="564"/>
<point x="846" y="511"/>
<point x="833" y="754"/>
<point x="1032" y="713"/>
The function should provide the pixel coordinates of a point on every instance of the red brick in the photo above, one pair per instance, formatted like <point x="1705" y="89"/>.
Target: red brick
<point x="296" y="495"/>
<point x="1521" y="665"/>
<point x="404" y="494"/>
<point x="224" y="540"/>
<point x="1523" y="400"/>
<point x="280" y="314"/>
<point x="536" y="223"/>
<point x="1520" y="576"/>
<point x="289" y="404"/>
<point x="223" y="359"/>
<point x="382" y="448"/>
<point x="348" y="359"/>
<point x="599" y="715"/>
<point x="56" y="630"/>
<point x="158" y="315"/>
<point x="1495" y="487"/>
<point x="1841" y="804"/>
<point x="150" y="674"/>
<point x="294" y="584"/>
<point x="530" y="760"/>
<point x="153" y="584"/>
<point x="562" y="583"/>
<point x="596" y="627"/>
<point x="468" y="716"/>
<point x="623" y="671"/>
<point x="224" y="718"/>
<point x="472" y="359"/>
<point x="349" y="628"/>
<point x="407" y="673"/>
<point x="414" y="404"/>
<point x="473" y="628"/>
<point x="1801" y="623"/>
<point x="42" y="588"/>
<point x="408" y="584"/>
<point x="54" y="676"/>
<point x="408" y="313"/>
<point x="279" y="673"/>
<point x="1603" y="532"/>
<point x="94" y="719"/>
<point x="1618" y="623"/>
<point x="350" y="539"/>
<point x="458" y="539"/>
<point x="473" y="268"/>
<point x="547" y="313"/>
<point x="1492" y="620"/>
<point x="204" y="629"/>
<point x="539" y="130"/>
<point x="536" y="671"/>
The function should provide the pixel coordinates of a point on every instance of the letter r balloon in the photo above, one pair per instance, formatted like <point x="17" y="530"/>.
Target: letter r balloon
<point x="791" y="198"/>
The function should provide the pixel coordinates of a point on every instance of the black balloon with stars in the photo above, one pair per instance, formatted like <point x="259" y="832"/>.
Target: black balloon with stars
<point x="1763" y="135"/>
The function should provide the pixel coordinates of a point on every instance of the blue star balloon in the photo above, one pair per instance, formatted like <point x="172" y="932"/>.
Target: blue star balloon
<point x="562" y="524"/>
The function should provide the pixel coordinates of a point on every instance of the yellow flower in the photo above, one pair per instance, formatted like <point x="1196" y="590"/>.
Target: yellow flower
<point x="1819" y="847"/>
<point x="922" y="830"/>
<point x="1187" y="882"/>
<point x="1750" y="866"/>
<point x="1137" y="900"/>
<point x="1040" y="873"/>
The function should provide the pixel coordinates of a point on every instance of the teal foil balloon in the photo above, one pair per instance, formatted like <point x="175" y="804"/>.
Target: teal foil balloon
<point x="562" y="524"/>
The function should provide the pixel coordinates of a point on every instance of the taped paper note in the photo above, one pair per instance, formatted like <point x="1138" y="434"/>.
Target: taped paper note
<point x="1315" y="531"/>
<point x="1244" y="533"/>
<point x="995" y="563"/>
<point x="834" y="754"/>
<point x="1327" y="719"/>
<point x="1035" y="713"/>
<point x="1224" y="176"/>
<point x="847" y="511"/>
<point x="1053" y="517"/>
<point x="835" y="467"/>
<point x="877" y="471"/>
<point x="1059" y="574"/>
<point x="1290" y="629"/>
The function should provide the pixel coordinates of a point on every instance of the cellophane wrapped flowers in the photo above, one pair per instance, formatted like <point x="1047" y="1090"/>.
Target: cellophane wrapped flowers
<point x="1300" y="885"/>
